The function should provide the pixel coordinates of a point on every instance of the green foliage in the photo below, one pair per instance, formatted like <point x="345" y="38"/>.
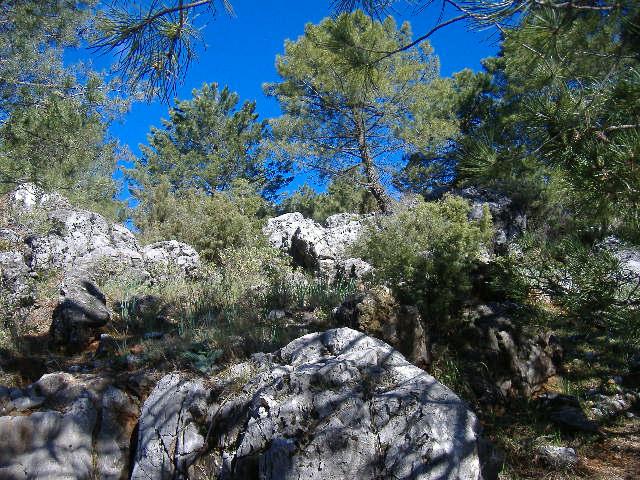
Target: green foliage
<point x="221" y="315"/>
<point x="586" y="281"/>
<point x="206" y="144"/>
<point x="554" y="118"/>
<point x="203" y="176"/>
<point x="156" y="44"/>
<point x="54" y="116"/>
<point x="344" y="194"/>
<point x="61" y="146"/>
<point x="33" y="34"/>
<point x="209" y="223"/>
<point x="426" y="254"/>
<point x="347" y="110"/>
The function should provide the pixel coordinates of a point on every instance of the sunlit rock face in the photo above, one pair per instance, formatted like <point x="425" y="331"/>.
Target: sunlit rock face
<point x="320" y="248"/>
<point x="331" y="405"/>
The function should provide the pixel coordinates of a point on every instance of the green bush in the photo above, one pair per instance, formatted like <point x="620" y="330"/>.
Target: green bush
<point x="426" y="253"/>
<point x="344" y="194"/>
<point x="210" y="223"/>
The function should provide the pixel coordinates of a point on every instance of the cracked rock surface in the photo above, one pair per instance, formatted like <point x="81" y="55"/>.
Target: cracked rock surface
<point x="330" y="405"/>
<point x="319" y="248"/>
<point x="66" y="427"/>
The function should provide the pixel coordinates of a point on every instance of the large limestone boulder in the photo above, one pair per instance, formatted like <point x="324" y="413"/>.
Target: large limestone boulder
<point x="319" y="248"/>
<point x="171" y="256"/>
<point x="66" y="427"/>
<point x="330" y="405"/>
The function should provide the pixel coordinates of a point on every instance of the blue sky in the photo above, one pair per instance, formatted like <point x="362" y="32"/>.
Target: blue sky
<point x="240" y="52"/>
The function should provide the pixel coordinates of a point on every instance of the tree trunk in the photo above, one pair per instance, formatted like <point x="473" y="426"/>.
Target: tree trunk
<point x="374" y="185"/>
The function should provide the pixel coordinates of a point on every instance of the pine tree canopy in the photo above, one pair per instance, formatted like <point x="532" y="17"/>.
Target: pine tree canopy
<point x="345" y="109"/>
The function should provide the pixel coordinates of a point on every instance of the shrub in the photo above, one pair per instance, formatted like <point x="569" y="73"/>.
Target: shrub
<point x="426" y="253"/>
<point x="210" y="223"/>
<point x="344" y="194"/>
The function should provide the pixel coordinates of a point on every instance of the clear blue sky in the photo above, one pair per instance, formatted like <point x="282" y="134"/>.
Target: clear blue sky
<point x="240" y="52"/>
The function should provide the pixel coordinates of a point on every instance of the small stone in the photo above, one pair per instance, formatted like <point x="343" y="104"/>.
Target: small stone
<point x="26" y="403"/>
<point x="276" y="315"/>
<point x="559" y="457"/>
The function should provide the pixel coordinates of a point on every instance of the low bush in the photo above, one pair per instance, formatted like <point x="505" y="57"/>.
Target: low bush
<point x="210" y="223"/>
<point x="426" y="254"/>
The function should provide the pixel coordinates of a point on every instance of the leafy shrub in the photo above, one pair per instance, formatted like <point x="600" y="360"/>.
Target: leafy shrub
<point x="210" y="223"/>
<point x="426" y="253"/>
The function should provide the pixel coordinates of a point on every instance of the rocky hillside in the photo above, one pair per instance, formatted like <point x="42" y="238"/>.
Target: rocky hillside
<point x="127" y="361"/>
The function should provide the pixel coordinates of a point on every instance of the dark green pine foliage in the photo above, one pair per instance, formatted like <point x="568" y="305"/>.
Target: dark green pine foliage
<point x="350" y="108"/>
<point x="206" y="144"/>
<point x="203" y="177"/>
<point x="343" y="194"/>
<point x="54" y="116"/>
<point x="555" y="118"/>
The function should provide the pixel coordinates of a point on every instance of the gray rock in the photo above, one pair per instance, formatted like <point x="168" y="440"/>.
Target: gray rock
<point x="280" y="230"/>
<point x="377" y="313"/>
<point x="17" y="285"/>
<point x="316" y="247"/>
<point x="352" y="269"/>
<point x="83" y="238"/>
<point x="112" y="443"/>
<point x="69" y="237"/>
<point x="80" y="312"/>
<point x="341" y="219"/>
<point x="337" y="404"/>
<point x="172" y="256"/>
<point x="50" y="444"/>
<point x="609" y="406"/>
<point x="505" y="361"/>
<point x="81" y="430"/>
<point x="566" y="412"/>
<point x="628" y="256"/>
<point x="168" y="438"/>
<point x="558" y="457"/>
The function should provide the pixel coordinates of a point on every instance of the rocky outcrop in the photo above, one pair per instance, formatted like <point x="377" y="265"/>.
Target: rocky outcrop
<point x="80" y="312"/>
<point x="379" y="314"/>
<point x="16" y="281"/>
<point x="628" y="256"/>
<point x="329" y="405"/>
<point x="171" y="256"/>
<point x="73" y="427"/>
<point x="503" y="361"/>
<point x="44" y="233"/>
<point x="338" y="404"/>
<point x="68" y="236"/>
<point x="316" y="247"/>
<point x="63" y="237"/>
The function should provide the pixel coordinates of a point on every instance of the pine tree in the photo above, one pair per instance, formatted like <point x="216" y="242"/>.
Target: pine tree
<point x="347" y="110"/>
<point x="207" y="143"/>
